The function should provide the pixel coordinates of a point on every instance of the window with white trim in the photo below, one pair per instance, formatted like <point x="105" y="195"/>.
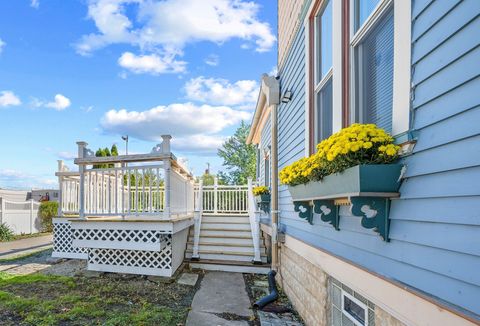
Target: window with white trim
<point x="373" y="62"/>
<point x="323" y="72"/>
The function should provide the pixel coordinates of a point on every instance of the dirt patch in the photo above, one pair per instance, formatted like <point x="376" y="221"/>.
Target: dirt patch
<point x="33" y="293"/>
<point x="52" y="300"/>
<point x="257" y="287"/>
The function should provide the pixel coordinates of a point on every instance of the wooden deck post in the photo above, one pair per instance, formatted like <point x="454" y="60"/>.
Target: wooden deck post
<point x="81" y="169"/>
<point x="215" y="195"/>
<point x="167" y="168"/>
<point x="60" y="187"/>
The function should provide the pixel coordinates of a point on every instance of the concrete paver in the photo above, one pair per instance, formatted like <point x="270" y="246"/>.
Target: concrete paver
<point x="25" y="246"/>
<point x="220" y="293"/>
<point x="188" y="279"/>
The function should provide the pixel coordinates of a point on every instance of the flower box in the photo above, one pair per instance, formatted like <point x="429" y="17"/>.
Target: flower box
<point x="263" y="198"/>
<point x="355" y="181"/>
<point x="367" y="187"/>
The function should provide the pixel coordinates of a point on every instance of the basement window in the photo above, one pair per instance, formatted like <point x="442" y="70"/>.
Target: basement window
<point x="347" y="307"/>
<point x="354" y="310"/>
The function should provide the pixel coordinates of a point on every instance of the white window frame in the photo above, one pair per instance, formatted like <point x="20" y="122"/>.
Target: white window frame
<point x="335" y="69"/>
<point x="319" y="81"/>
<point x="401" y="58"/>
<point x="358" y="302"/>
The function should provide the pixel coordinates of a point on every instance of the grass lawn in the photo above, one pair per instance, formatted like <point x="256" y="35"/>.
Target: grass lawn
<point x="57" y="300"/>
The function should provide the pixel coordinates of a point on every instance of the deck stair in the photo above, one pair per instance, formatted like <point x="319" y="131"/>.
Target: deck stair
<point x="226" y="244"/>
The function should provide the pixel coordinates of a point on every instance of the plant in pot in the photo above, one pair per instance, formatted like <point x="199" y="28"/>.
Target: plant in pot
<point x="262" y="194"/>
<point x="357" y="165"/>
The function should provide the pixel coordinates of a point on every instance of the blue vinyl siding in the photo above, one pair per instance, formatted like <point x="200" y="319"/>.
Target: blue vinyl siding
<point x="435" y="225"/>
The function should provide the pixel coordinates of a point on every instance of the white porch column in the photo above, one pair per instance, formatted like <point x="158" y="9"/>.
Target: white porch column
<point x="81" y="169"/>
<point x="167" y="168"/>
<point x="60" y="188"/>
<point x="215" y="195"/>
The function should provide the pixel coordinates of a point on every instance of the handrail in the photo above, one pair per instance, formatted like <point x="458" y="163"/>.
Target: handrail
<point x="254" y="218"/>
<point x="198" y="221"/>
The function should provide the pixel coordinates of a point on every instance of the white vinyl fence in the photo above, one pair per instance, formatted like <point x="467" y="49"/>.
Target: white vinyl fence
<point x="21" y="217"/>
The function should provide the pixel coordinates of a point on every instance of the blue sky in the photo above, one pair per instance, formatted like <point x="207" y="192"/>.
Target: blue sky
<point x="94" y="70"/>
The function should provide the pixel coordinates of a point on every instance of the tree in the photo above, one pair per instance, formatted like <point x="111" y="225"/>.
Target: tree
<point x="209" y="179"/>
<point x="238" y="157"/>
<point x="114" y="150"/>
<point x="104" y="152"/>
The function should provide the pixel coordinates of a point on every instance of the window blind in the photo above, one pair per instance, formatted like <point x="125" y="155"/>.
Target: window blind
<point x="324" y="111"/>
<point x="377" y="56"/>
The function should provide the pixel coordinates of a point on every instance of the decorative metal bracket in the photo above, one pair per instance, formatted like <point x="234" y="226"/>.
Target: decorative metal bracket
<point x="304" y="210"/>
<point x="329" y="212"/>
<point x="374" y="212"/>
<point x="264" y="206"/>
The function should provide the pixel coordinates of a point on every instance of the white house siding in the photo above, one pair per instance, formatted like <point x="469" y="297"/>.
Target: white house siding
<point x="434" y="245"/>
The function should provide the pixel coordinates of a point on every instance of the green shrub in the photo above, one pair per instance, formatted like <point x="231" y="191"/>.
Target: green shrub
<point x="47" y="210"/>
<point x="6" y="234"/>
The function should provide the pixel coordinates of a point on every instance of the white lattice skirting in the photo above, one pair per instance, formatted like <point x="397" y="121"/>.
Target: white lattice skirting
<point x="146" y="240"/>
<point x="149" y="248"/>
<point x="133" y="261"/>
<point x="62" y="241"/>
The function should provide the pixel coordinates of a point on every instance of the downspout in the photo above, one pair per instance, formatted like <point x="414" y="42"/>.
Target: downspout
<point x="274" y="191"/>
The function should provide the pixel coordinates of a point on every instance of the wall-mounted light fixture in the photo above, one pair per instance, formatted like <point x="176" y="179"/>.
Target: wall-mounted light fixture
<point x="287" y="96"/>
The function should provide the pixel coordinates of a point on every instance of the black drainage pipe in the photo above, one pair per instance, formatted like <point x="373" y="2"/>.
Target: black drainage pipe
<point x="272" y="287"/>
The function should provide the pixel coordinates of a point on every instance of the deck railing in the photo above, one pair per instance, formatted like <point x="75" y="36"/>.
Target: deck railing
<point x="149" y="185"/>
<point x="224" y="199"/>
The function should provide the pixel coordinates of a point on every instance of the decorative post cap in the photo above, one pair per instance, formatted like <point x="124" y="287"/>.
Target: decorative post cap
<point x="166" y="143"/>
<point x="82" y="145"/>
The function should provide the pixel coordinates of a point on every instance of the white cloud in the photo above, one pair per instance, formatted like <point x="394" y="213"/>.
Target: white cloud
<point x="8" y="98"/>
<point x="222" y="92"/>
<point x="59" y="103"/>
<point x="35" y="4"/>
<point x="274" y="71"/>
<point x="212" y="60"/>
<point x="14" y="179"/>
<point x="2" y="45"/>
<point x="65" y="155"/>
<point x="153" y="63"/>
<point x="199" y="144"/>
<point x="179" y="120"/>
<point x="163" y="28"/>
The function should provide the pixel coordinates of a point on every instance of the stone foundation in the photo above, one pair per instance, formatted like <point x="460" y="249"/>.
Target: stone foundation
<point x="315" y="294"/>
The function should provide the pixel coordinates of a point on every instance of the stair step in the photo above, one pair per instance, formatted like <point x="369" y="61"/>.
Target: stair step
<point x="226" y="239"/>
<point x="219" y="255"/>
<point x="226" y="244"/>
<point x="229" y="266"/>
<point x="225" y="233"/>
<point x="225" y="226"/>
<point x="223" y="249"/>
<point x="223" y="219"/>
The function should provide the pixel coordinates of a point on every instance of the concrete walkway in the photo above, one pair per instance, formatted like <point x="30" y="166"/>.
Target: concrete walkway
<point x="221" y="300"/>
<point x="25" y="246"/>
